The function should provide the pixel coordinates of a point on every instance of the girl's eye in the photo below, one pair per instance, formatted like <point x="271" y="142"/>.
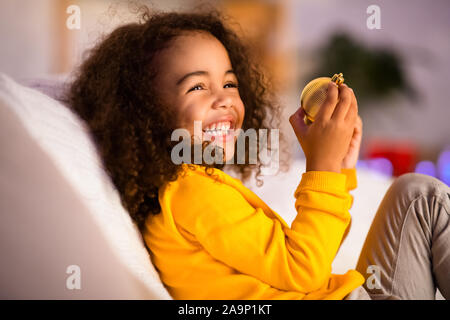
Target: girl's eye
<point x="200" y="86"/>
<point x="196" y="87"/>
<point x="231" y="85"/>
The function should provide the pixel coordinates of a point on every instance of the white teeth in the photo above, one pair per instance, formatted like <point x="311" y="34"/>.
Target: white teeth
<point x="218" y="132"/>
<point x="219" y="126"/>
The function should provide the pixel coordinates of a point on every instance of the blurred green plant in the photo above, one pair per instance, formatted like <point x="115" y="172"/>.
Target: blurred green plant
<point x="373" y="73"/>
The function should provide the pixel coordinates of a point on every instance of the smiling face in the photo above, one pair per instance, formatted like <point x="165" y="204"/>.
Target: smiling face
<point x="196" y="78"/>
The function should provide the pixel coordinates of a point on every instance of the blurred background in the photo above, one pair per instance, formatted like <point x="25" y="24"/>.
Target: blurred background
<point x="396" y="57"/>
<point x="398" y="65"/>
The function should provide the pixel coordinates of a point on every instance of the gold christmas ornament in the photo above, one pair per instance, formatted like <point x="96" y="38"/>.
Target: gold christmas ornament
<point x="315" y="93"/>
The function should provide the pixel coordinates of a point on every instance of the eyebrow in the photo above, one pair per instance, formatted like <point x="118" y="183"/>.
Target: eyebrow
<point x="198" y="73"/>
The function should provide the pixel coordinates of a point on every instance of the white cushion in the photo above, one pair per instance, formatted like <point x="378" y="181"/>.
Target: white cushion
<point x="64" y="137"/>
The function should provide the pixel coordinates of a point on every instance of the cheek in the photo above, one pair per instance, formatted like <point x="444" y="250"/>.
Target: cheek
<point x="190" y="113"/>
<point x="241" y="110"/>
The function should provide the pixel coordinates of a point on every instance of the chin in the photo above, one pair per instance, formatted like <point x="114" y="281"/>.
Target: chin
<point x="229" y="149"/>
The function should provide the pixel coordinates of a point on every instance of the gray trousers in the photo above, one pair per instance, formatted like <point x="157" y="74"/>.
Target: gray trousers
<point x="406" y="254"/>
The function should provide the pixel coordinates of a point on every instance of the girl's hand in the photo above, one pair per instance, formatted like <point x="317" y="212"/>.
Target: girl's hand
<point x="351" y="158"/>
<point x="326" y="141"/>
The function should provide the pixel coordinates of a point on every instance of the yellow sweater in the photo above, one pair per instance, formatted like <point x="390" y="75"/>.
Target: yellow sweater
<point x="216" y="239"/>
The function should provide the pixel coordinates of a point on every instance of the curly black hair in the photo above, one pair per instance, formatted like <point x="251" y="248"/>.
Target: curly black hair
<point x="113" y="93"/>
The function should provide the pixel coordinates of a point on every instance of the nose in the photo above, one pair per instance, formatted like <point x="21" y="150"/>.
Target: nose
<point x="222" y="100"/>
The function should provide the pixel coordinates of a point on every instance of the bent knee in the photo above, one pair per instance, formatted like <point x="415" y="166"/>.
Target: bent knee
<point x="417" y="184"/>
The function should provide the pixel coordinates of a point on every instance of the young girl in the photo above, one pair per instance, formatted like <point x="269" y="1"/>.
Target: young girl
<point x="209" y="236"/>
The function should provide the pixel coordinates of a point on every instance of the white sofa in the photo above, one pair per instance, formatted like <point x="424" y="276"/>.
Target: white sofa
<point x="60" y="216"/>
<point x="60" y="209"/>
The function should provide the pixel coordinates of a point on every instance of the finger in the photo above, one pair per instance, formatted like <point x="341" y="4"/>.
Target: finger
<point x="355" y="142"/>
<point x="327" y="108"/>
<point x="295" y="116"/>
<point x="302" y="126"/>
<point x="357" y="132"/>
<point x="352" y="112"/>
<point x="345" y="100"/>
<point x="297" y="122"/>
<point x="359" y="124"/>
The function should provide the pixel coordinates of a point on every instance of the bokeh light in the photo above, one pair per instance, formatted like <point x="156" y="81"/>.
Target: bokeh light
<point x="443" y="165"/>
<point x="426" y="167"/>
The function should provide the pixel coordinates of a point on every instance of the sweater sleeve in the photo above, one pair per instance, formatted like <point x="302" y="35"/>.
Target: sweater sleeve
<point x="351" y="183"/>
<point x="245" y="238"/>
<point x="351" y="178"/>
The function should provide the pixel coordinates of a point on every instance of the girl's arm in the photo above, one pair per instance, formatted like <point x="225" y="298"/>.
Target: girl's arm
<point x="247" y="239"/>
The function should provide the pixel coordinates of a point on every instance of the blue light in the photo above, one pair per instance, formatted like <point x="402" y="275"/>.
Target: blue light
<point x="382" y="166"/>
<point x="362" y="164"/>
<point x="443" y="165"/>
<point x="426" y="167"/>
